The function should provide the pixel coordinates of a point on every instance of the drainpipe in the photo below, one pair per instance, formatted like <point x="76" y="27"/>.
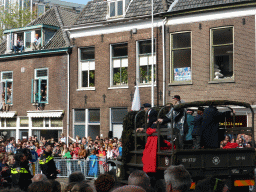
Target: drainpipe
<point x="68" y="65"/>
<point x="164" y="75"/>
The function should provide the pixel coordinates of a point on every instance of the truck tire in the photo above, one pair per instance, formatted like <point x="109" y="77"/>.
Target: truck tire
<point x="160" y="186"/>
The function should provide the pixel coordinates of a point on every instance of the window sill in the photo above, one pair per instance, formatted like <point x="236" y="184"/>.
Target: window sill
<point x="146" y="85"/>
<point x="222" y="81"/>
<point x="121" y="87"/>
<point x="86" y="89"/>
<point x="180" y="83"/>
<point x="35" y="104"/>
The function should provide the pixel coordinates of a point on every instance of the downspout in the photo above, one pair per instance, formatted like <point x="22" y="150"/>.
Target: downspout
<point x="164" y="75"/>
<point x="68" y="65"/>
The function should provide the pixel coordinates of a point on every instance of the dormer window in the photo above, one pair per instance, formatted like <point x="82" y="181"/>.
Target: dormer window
<point x="32" y="38"/>
<point x="116" y="8"/>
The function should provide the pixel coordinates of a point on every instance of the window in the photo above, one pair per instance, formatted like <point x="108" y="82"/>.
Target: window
<point x="47" y="122"/>
<point x="181" y="57"/>
<point x="116" y="8"/>
<point x="119" y="63"/>
<point x="117" y="116"/>
<point x="145" y="61"/>
<point x="10" y="122"/>
<point x="7" y="91"/>
<point x="39" y="91"/>
<point x="87" y="68"/>
<point x="222" y="45"/>
<point x="87" y="122"/>
<point x="24" y="122"/>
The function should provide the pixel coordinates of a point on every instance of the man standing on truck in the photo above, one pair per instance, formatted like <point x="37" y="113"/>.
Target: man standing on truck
<point x="178" y="121"/>
<point x="210" y="127"/>
<point x="197" y="128"/>
<point x="151" y="116"/>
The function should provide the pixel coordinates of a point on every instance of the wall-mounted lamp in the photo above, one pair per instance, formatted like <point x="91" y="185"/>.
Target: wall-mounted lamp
<point x="200" y="26"/>
<point x="102" y="36"/>
<point x="134" y="31"/>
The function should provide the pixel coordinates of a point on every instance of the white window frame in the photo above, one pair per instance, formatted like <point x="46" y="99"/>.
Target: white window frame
<point x="171" y="57"/>
<point x="149" y="61"/>
<point x="116" y="9"/>
<point x="122" y="62"/>
<point x="91" y="65"/>
<point x="86" y="123"/>
<point x="5" y="81"/>
<point x="212" y="79"/>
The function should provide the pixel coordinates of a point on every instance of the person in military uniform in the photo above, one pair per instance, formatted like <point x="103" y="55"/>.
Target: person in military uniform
<point x="47" y="163"/>
<point x="20" y="173"/>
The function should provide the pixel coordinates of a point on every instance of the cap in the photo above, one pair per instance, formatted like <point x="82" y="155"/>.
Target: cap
<point x="48" y="143"/>
<point x="200" y="108"/>
<point x="176" y="97"/>
<point x="147" y="105"/>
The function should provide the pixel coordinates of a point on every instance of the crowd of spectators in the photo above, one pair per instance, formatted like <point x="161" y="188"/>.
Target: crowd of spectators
<point x="239" y="141"/>
<point x="79" y="148"/>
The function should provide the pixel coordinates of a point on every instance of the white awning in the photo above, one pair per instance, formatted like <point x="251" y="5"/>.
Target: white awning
<point x="8" y="114"/>
<point x="41" y="114"/>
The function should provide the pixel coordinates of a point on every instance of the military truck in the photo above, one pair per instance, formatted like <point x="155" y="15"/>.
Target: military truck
<point x="236" y="164"/>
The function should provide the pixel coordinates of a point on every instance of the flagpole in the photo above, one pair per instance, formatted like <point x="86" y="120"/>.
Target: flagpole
<point x="152" y="52"/>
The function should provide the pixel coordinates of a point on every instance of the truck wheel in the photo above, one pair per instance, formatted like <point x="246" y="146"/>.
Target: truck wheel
<point x="160" y="186"/>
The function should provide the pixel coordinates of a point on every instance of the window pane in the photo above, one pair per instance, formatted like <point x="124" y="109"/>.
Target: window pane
<point x="47" y="122"/>
<point x="93" y="131"/>
<point x="120" y="50"/>
<point x="112" y="9"/>
<point x="6" y="75"/>
<point x="56" y="122"/>
<point x="37" y="122"/>
<point x="43" y="91"/>
<point x="91" y="78"/>
<point x="145" y="47"/>
<point x="222" y="36"/>
<point x="2" y="122"/>
<point x="28" y="39"/>
<point x="84" y="78"/>
<point x="94" y="116"/>
<point x="24" y="121"/>
<point x="79" y="116"/>
<point x="10" y="122"/>
<point x="181" y="40"/>
<point x="9" y="92"/>
<point x="118" y="115"/>
<point x="181" y="58"/>
<point x="88" y="53"/>
<point x="79" y="130"/>
<point x="223" y="62"/>
<point x="41" y="73"/>
<point x="119" y="7"/>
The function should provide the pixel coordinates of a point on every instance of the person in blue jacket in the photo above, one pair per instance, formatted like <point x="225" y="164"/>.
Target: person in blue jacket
<point x="93" y="164"/>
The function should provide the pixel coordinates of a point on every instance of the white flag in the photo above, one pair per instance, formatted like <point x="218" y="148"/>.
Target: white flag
<point x="136" y="100"/>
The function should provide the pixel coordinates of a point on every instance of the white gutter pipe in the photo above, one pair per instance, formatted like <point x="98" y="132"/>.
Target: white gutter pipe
<point x="68" y="65"/>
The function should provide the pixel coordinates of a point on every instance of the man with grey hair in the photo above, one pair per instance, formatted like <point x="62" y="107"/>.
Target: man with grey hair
<point x="141" y="179"/>
<point x="177" y="179"/>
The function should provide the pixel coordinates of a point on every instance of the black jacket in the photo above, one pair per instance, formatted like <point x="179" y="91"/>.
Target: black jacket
<point x="47" y="165"/>
<point x="21" y="176"/>
<point x="152" y="117"/>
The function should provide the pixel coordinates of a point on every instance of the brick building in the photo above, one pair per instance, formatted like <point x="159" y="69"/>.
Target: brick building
<point x="112" y="51"/>
<point x="205" y="50"/>
<point x="34" y="83"/>
<point x="215" y="42"/>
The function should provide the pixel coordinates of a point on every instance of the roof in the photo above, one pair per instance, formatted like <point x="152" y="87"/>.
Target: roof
<point x="182" y="5"/>
<point x="56" y="16"/>
<point x="96" y="11"/>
